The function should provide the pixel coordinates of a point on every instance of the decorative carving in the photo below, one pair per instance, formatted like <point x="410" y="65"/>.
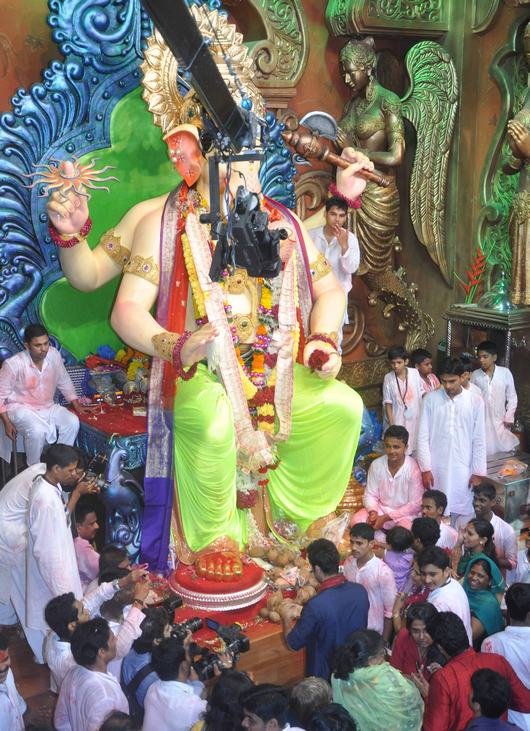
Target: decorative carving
<point x="280" y="60"/>
<point x="349" y="17"/>
<point x="498" y="189"/>
<point x="431" y="105"/>
<point x="363" y="373"/>
<point x="483" y="16"/>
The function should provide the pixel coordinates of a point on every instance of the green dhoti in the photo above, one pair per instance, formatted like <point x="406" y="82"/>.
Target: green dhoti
<point x="315" y="462"/>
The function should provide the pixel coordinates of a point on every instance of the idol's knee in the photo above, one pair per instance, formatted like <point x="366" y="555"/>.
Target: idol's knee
<point x="345" y="403"/>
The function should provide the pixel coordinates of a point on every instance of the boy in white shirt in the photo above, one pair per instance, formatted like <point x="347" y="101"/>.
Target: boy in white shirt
<point x="364" y="568"/>
<point x="484" y="498"/>
<point x="434" y="505"/>
<point x="498" y="391"/>
<point x="446" y="594"/>
<point x="394" y="487"/>
<point x="338" y="245"/>
<point x="402" y="394"/>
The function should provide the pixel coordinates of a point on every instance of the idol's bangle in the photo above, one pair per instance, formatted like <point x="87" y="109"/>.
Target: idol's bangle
<point x="351" y="202"/>
<point x="68" y="242"/>
<point x="329" y="338"/>
<point x="177" y="362"/>
<point x="164" y="344"/>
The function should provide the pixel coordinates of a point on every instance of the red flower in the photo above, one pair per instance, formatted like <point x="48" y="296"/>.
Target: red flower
<point x="317" y="359"/>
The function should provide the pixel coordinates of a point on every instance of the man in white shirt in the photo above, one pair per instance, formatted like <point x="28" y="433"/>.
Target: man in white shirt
<point x="446" y="594"/>
<point x="51" y="566"/>
<point x="500" y="397"/>
<point x="338" y="245"/>
<point x="434" y="505"/>
<point x="28" y="381"/>
<point x="12" y="706"/>
<point x="451" y="448"/>
<point x="89" y="693"/>
<point x="513" y="644"/>
<point x="484" y="498"/>
<point x="14" y="500"/>
<point x="170" y="702"/>
<point x="394" y="487"/>
<point x="14" y="505"/>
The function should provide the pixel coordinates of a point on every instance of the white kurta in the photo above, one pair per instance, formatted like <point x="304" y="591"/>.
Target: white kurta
<point x="86" y="698"/>
<point x="452" y="598"/>
<point x="500" y="399"/>
<point x="505" y="540"/>
<point x="12" y="706"/>
<point x="172" y="706"/>
<point x="14" y="502"/>
<point x="405" y="398"/>
<point x="51" y="564"/>
<point x="399" y="495"/>
<point x="343" y="265"/>
<point x="452" y="445"/>
<point x="58" y="657"/>
<point x="521" y="573"/>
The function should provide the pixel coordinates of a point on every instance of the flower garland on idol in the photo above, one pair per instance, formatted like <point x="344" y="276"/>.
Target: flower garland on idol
<point x="267" y="393"/>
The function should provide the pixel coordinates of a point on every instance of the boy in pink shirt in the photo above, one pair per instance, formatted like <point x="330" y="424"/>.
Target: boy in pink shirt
<point x="364" y="568"/>
<point x="421" y="359"/>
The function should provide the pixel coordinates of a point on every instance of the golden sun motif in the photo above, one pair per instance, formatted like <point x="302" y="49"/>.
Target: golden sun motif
<point x="55" y="178"/>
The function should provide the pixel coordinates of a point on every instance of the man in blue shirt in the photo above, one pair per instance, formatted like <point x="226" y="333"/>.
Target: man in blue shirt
<point x="339" y="608"/>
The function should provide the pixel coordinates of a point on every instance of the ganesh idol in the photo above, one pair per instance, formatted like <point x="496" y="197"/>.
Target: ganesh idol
<point x="244" y="408"/>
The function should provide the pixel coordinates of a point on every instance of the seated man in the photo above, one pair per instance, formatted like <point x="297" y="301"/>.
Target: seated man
<point x="170" y="702"/>
<point x="28" y="381"/>
<point x="339" y="608"/>
<point x="447" y="706"/>
<point x="394" y="486"/>
<point x="89" y="693"/>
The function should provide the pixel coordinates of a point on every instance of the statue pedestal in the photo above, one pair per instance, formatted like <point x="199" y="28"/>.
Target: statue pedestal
<point x="478" y="318"/>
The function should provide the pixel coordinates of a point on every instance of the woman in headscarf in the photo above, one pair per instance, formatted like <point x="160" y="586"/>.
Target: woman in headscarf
<point x="482" y="583"/>
<point x="375" y="694"/>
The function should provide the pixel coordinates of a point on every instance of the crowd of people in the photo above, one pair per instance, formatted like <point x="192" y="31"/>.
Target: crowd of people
<point x="423" y="626"/>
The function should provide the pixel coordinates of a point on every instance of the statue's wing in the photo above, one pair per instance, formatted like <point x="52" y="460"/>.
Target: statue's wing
<point x="430" y="105"/>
